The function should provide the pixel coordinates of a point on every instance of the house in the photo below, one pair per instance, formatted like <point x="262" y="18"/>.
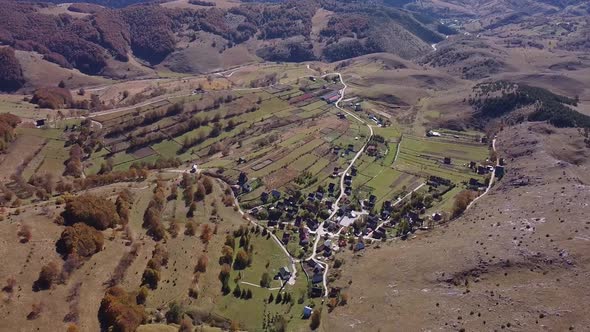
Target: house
<point x="317" y="278"/>
<point x="436" y="216"/>
<point x="319" y="195"/>
<point x="371" y="150"/>
<point x="316" y="291"/>
<point x="350" y="148"/>
<point x="432" y="133"/>
<point x="482" y="170"/>
<point x="353" y="171"/>
<point x="499" y="171"/>
<point x="310" y="197"/>
<point x="39" y="123"/>
<point x="331" y="97"/>
<point x="347" y="180"/>
<point x="286" y="238"/>
<point x="331" y="187"/>
<point x="447" y="160"/>
<point x="307" y="311"/>
<point x="502" y="162"/>
<point x="242" y="161"/>
<point x="348" y="191"/>
<point x="341" y="115"/>
<point x="435" y="181"/>
<point x="264" y="197"/>
<point x="472" y="164"/>
<point x="474" y="182"/>
<point x="312" y="224"/>
<point x="387" y="205"/>
<point x="359" y="246"/>
<point x="284" y="273"/>
<point x="379" y="233"/>
<point x="275" y="194"/>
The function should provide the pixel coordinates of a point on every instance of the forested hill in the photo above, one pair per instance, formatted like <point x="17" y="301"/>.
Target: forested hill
<point x="105" y="3"/>
<point x="497" y="99"/>
<point x="151" y="32"/>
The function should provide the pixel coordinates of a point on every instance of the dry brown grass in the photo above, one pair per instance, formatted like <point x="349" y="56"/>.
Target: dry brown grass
<point x="516" y="259"/>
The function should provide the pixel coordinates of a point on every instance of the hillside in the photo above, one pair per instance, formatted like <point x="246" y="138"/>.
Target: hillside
<point x="102" y="41"/>
<point x="515" y="261"/>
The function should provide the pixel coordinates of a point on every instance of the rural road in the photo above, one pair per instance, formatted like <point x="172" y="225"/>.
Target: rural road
<point x="320" y="231"/>
<point x="399" y="200"/>
<point x="491" y="178"/>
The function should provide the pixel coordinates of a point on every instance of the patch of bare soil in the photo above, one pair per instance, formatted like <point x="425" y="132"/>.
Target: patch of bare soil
<point x="516" y="261"/>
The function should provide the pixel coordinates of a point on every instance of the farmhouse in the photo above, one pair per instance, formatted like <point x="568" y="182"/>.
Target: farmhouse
<point x="39" y="123"/>
<point x="499" y="171"/>
<point x="371" y="150"/>
<point x="284" y="273"/>
<point x="359" y="246"/>
<point x="433" y="134"/>
<point x="331" y="97"/>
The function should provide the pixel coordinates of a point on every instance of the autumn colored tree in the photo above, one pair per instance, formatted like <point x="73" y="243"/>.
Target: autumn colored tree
<point x="227" y="255"/>
<point x="94" y="211"/>
<point x="190" y="228"/>
<point x="224" y="278"/>
<point x="462" y="200"/>
<point x="186" y="325"/>
<point x="36" y="309"/>
<point x="208" y="185"/>
<point x="202" y="264"/>
<point x="200" y="193"/>
<point x="142" y="295"/>
<point x="119" y="311"/>
<point x="47" y="276"/>
<point x="241" y="260"/>
<point x="316" y="317"/>
<point x="80" y="240"/>
<point x="173" y="228"/>
<point x="206" y="233"/>
<point x="24" y="233"/>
